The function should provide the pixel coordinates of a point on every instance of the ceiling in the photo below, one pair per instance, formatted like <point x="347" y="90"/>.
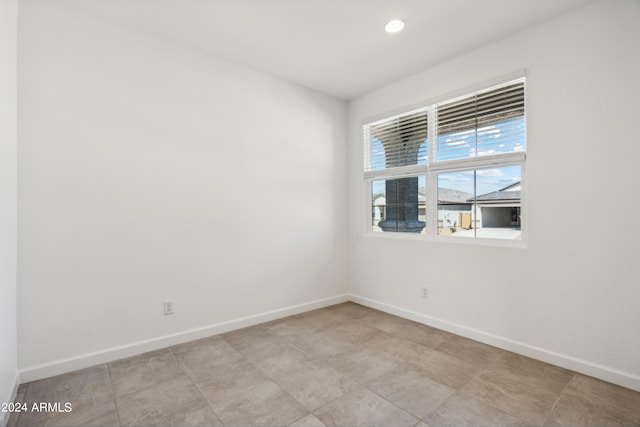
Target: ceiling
<point x="338" y="47"/>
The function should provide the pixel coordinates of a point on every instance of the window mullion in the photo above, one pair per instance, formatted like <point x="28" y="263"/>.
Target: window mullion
<point x="432" y="133"/>
<point x="431" y="196"/>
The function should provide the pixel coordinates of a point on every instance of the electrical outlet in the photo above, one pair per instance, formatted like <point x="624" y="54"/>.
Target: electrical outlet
<point x="425" y="292"/>
<point x="168" y="307"/>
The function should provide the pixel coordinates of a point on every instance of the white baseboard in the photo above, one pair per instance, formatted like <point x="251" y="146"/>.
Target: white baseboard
<point x="605" y="373"/>
<point x="63" y="366"/>
<point x="4" y="416"/>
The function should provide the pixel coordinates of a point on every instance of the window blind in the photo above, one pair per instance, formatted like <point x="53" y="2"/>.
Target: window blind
<point x="484" y="123"/>
<point x="397" y="142"/>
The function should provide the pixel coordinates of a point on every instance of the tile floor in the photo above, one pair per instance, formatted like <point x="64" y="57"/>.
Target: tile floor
<point x="344" y="365"/>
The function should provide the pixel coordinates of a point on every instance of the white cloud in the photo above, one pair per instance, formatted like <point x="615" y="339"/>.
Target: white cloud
<point x="486" y="152"/>
<point x="489" y="172"/>
<point x="455" y="177"/>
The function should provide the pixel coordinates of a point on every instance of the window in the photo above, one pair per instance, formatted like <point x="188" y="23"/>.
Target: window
<point x="398" y="204"/>
<point x="398" y="149"/>
<point x="452" y="169"/>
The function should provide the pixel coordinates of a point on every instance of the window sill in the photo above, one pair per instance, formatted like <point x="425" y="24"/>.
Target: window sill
<point x="454" y="240"/>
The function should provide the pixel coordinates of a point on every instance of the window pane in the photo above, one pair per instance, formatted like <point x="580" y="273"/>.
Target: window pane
<point x="485" y="123"/>
<point x="398" y="205"/>
<point x="498" y="202"/>
<point x="480" y="203"/>
<point x="397" y="142"/>
<point x="455" y="203"/>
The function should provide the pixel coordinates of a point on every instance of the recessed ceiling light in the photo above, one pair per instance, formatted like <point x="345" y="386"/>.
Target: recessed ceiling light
<point x="394" y="26"/>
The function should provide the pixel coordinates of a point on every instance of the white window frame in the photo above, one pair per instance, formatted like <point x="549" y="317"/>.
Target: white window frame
<point x="433" y="168"/>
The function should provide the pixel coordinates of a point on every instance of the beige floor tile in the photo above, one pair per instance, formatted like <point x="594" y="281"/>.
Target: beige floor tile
<point x="519" y="386"/>
<point x="88" y="391"/>
<point x="200" y="355"/>
<point x="394" y="348"/>
<point x="248" y="340"/>
<point x="224" y="381"/>
<point x="293" y="327"/>
<point x="413" y="331"/>
<point x="462" y="410"/>
<point x="606" y="395"/>
<point x="85" y="386"/>
<point x="352" y="332"/>
<point x="265" y="404"/>
<point x="172" y="403"/>
<point x="87" y="414"/>
<point x="321" y="345"/>
<point x="363" y="408"/>
<point x="146" y="370"/>
<point x="423" y="334"/>
<point x="360" y="365"/>
<point x="527" y="366"/>
<point x="587" y="401"/>
<point x="378" y="319"/>
<point x="351" y="310"/>
<point x="308" y="421"/>
<point x="411" y="390"/>
<point x="444" y="369"/>
<point x="154" y="389"/>
<point x="469" y="350"/>
<point x="315" y="387"/>
<point x="573" y="411"/>
<point x="279" y="358"/>
<point x="324" y="319"/>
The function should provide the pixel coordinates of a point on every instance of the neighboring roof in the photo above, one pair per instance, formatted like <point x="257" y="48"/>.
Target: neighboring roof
<point x="511" y="187"/>
<point x="504" y="194"/>
<point x="448" y="196"/>
<point x="499" y="195"/>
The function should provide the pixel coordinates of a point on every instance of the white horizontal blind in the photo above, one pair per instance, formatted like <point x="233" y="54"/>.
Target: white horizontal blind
<point x="485" y="123"/>
<point x="397" y="142"/>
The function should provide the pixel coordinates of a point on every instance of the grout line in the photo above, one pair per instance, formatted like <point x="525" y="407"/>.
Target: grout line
<point x="397" y="406"/>
<point x="455" y="393"/>
<point x="274" y="379"/>
<point x="172" y="350"/>
<point x="483" y="370"/>
<point x="113" y="390"/>
<point x="553" y="407"/>
<point x="304" y="416"/>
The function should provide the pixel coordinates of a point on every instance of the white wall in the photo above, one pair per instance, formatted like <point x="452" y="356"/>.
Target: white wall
<point x="571" y="297"/>
<point x="8" y="202"/>
<point x="147" y="172"/>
